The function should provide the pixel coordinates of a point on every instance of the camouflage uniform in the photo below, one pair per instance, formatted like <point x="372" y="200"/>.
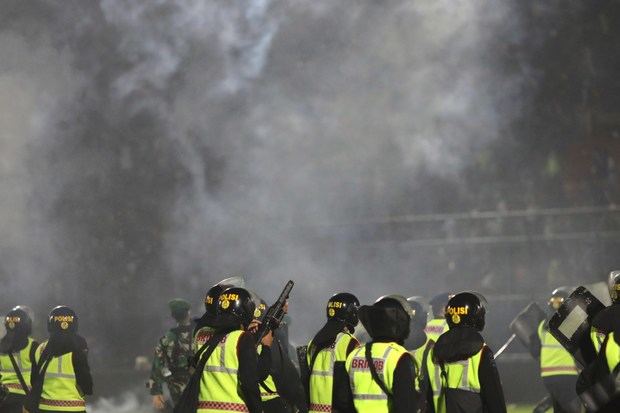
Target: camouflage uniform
<point x="171" y="363"/>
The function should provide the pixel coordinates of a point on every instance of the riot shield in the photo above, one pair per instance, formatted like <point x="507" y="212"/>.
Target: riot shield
<point x="570" y="325"/>
<point x="602" y="396"/>
<point x="601" y="291"/>
<point x="525" y="327"/>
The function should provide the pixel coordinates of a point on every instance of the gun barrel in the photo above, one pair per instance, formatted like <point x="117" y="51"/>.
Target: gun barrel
<point x="275" y="314"/>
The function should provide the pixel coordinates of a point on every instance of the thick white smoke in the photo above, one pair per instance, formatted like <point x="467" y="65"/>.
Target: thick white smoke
<point x="30" y="99"/>
<point x="354" y="102"/>
<point x="151" y="147"/>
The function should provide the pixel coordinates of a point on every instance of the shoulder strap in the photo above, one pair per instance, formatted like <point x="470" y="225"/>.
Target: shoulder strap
<point x="188" y="401"/>
<point x="20" y="376"/>
<point x="205" y="351"/>
<point x="373" y="371"/>
<point x="443" y="384"/>
<point x="33" y="352"/>
<point x="32" y="399"/>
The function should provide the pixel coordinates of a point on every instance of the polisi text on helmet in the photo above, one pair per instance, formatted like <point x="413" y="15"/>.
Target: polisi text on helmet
<point x="335" y="304"/>
<point x="229" y="297"/>
<point x="457" y="310"/>
<point x="63" y="318"/>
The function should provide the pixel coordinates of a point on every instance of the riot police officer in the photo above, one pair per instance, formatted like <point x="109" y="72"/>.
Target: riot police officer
<point x="461" y="368"/>
<point x="379" y="376"/>
<point x="171" y="361"/>
<point x="417" y="337"/>
<point x="329" y="348"/>
<point x="280" y="386"/>
<point x="598" y="385"/>
<point x="228" y="364"/>
<point x="202" y="330"/>
<point x="17" y="350"/>
<point x="438" y="324"/>
<point x="602" y="324"/>
<point x="557" y="366"/>
<point x="416" y="342"/>
<point x="60" y="375"/>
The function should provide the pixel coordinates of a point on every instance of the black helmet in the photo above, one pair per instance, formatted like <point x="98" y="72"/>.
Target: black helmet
<point x="438" y="304"/>
<point x="260" y="307"/>
<point x="236" y="304"/>
<point x="389" y="317"/>
<point x="420" y="315"/>
<point x="62" y="319"/>
<point x="343" y="307"/>
<point x="18" y="320"/>
<point x="614" y="286"/>
<point x="466" y="309"/>
<point x="558" y="296"/>
<point x="216" y="290"/>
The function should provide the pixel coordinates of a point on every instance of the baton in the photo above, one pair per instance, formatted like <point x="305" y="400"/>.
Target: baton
<point x="505" y="346"/>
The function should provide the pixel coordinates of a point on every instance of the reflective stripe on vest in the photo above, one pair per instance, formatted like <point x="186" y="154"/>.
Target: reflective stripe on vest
<point x="9" y="377"/>
<point x="60" y="390"/>
<point x="367" y="395"/>
<point x="460" y="375"/>
<point x="219" y="386"/>
<point x="612" y="352"/>
<point x="322" y="374"/>
<point x="555" y="360"/>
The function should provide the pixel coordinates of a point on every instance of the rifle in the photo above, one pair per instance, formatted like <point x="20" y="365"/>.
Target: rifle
<point x="275" y="314"/>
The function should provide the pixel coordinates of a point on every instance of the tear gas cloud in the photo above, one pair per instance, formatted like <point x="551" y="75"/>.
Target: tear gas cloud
<point x="150" y="148"/>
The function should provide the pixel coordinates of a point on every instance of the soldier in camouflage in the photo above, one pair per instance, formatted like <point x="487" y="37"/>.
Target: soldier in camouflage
<point x="173" y="354"/>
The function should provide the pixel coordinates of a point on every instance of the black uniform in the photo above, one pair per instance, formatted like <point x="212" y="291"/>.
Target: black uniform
<point x="285" y="376"/>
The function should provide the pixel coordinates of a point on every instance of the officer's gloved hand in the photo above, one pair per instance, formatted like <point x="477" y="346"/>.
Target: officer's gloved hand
<point x="159" y="402"/>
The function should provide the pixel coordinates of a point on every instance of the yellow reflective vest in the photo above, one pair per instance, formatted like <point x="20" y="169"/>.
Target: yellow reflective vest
<point x="435" y="328"/>
<point x="322" y="374"/>
<point x="459" y="375"/>
<point x="612" y="352"/>
<point x="219" y="385"/>
<point x="60" y="391"/>
<point x="367" y="394"/>
<point x="24" y="363"/>
<point x="554" y="359"/>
